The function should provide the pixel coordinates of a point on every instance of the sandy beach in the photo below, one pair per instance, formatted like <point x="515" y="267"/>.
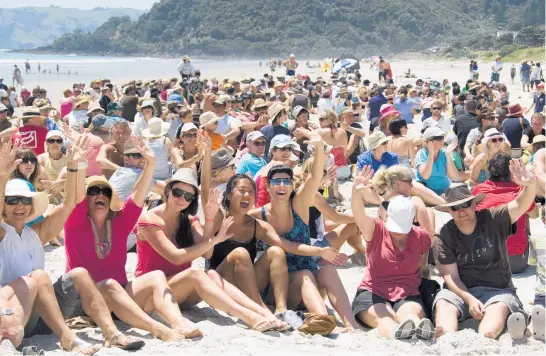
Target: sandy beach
<point x="224" y="335"/>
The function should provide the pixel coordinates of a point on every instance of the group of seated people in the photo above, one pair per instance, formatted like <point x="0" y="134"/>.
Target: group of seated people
<point x="225" y="188"/>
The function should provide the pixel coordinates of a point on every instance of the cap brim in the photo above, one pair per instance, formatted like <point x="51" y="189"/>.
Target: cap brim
<point x="115" y="203"/>
<point x="446" y="207"/>
<point x="213" y="121"/>
<point x="164" y="130"/>
<point x="398" y="227"/>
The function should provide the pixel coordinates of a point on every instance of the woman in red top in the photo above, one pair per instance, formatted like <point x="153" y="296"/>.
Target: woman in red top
<point x="388" y="296"/>
<point x="170" y="237"/>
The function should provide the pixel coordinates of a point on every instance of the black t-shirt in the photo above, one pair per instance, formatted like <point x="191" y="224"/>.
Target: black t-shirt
<point x="354" y="156"/>
<point x="481" y="257"/>
<point x="129" y="103"/>
<point x="314" y="100"/>
<point x="463" y="124"/>
<point x="30" y="100"/>
<point x="513" y="127"/>
<point x="531" y="134"/>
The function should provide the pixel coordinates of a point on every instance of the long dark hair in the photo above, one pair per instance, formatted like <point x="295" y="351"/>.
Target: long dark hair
<point x="183" y="236"/>
<point x="230" y="185"/>
<point x="25" y="153"/>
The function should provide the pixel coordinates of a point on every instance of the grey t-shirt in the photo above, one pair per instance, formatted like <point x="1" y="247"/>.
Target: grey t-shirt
<point x="124" y="180"/>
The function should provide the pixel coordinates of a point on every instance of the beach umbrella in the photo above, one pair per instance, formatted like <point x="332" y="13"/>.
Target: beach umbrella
<point x="343" y="63"/>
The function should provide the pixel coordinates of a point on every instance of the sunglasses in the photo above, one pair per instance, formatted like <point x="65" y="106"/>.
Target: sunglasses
<point x="177" y="193"/>
<point x="53" y="140"/>
<point x="190" y="135"/>
<point x="16" y="200"/>
<point x="287" y="182"/>
<point x="3" y="111"/>
<point x="259" y="143"/>
<point x="134" y="155"/>
<point x="28" y="160"/>
<point x="466" y="205"/>
<point x="497" y="140"/>
<point x="284" y="149"/>
<point x="95" y="191"/>
<point x="436" y="108"/>
<point x="437" y="138"/>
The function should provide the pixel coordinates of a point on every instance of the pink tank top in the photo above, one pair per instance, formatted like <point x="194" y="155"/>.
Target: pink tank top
<point x="93" y="168"/>
<point x="150" y="260"/>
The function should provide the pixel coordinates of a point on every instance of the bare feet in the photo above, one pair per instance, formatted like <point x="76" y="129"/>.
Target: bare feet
<point x="342" y="330"/>
<point x="265" y="325"/>
<point x="124" y="342"/>
<point x="438" y="331"/>
<point x="77" y="345"/>
<point x="55" y="242"/>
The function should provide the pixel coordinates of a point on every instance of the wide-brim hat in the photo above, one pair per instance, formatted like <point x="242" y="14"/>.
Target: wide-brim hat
<point x="184" y="175"/>
<point x="156" y="128"/>
<point x="20" y="188"/>
<point x="539" y="138"/>
<point x="208" y="118"/>
<point x="221" y="158"/>
<point x="80" y="100"/>
<point x="389" y="110"/>
<point x="259" y="103"/>
<point x="458" y="195"/>
<point x="376" y="139"/>
<point x="515" y="110"/>
<point x="115" y="203"/>
<point x="30" y="112"/>
<point x="274" y="110"/>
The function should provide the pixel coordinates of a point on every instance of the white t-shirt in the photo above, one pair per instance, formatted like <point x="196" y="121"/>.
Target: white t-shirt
<point x="323" y="105"/>
<point x="444" y="123"/>
<point x="226" y="124"/>
<point x="139" y="124"/>
<point x="497" y="66"/>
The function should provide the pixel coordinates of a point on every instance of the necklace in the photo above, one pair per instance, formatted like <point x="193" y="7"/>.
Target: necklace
<point x="102" y="248"/>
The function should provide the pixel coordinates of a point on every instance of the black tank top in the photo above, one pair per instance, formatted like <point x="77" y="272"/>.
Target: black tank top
<point x="223" y="249"/>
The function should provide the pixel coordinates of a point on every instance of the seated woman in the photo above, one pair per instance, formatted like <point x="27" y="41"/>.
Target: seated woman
<point x="401" y="145"/>
<point x="166" y="155"/>
<point x="388" y="296"/>
<point x="170" y="237"/>
<point x="337" y="138"/>
<point x="74" y="293"/>
<point x="288" y="213"/>
<point x="492" y="143"/>
<point x="96" y="234"/>
<point x="190" y="152"/>
<point x="377" y="154"/>
<point x="52" y="162"/>
<point x="434" y="164"/>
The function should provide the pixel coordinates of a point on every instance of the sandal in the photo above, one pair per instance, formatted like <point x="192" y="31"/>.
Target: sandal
<point x="83" y="347"/>
<point x="291" y="318"/>
<point x="131" y="344"/>
<point x="32" y="350"/>
<point x="80" y="322"/>
<point x="538" y="320"/>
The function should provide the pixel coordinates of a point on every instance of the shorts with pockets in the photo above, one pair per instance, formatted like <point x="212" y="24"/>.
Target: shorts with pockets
<point x="364" y="299"/>
<point x="69" y="302"/>
<point x="486" y="295"/>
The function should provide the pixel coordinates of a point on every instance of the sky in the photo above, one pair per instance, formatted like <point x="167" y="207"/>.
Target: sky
<point x="134" y="4"/>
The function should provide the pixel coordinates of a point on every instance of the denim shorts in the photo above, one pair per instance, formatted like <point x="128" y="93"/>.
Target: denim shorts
<point x="69" y="302"/>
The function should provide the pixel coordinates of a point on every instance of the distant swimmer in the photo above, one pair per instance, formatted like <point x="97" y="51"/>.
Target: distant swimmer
<point x="39" y="68"/>
<point x="17" y="77"/>
<point x="291" y="66"/>
<point x="57" y="69"/>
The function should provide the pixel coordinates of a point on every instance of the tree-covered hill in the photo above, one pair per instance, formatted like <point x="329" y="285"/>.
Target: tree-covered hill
<point x="310" y="28"/>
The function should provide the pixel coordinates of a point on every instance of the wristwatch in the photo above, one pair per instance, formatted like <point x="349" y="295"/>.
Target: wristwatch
<point x="6" y="312"/>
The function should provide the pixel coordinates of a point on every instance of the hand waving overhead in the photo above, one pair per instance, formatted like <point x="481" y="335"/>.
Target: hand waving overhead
<point x="8" y="163"/>
<point x="362" y="178"/>
<point x="520" y="174"/>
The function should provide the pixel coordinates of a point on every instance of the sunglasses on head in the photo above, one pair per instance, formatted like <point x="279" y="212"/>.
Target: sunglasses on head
<point x="95" y="191"/>
<point x="55" y="140"/>
<point x="28" y="160"/>
<point x="194" y="135"/>
<point x="465" y="205"/>
<point x="497" y="140"/>
<point x="134" y="155"/>
<point x="436" y="108"/>
<point x="16" y="200"/>
<point x="287" y="182"/>
<point x="177" y="193"/>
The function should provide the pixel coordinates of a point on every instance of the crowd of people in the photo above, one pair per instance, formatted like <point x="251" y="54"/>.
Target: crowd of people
<point x="246" y="173"/>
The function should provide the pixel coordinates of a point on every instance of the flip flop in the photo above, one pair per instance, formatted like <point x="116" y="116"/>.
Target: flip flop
<point x="79" y="346"/>
<point x="7" y="348"/>
<point x="132" y="342"/>
<point x="538" y="319"/>
<point x="516" y="326"/>
<point x="291" y="318"/>
<point x="80" y="322"/>
<point x="405" y="330"/>
<point x="425" y="330"/>
<point x="266" y="325"/>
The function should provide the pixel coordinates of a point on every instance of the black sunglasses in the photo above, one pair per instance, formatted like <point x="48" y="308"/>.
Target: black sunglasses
<point x="53" y="140"/>
<point x="177" y="193"/>
<point x="28" y="160"/>
<point x="95" y="191"/>
<point x="16" y="200"/>
<point x="134" y="155"/>
<point x="436" y="108"/>
<point x="259" y="143"/>
<point x="466" y="205"/>
<point x="284" y="149"/>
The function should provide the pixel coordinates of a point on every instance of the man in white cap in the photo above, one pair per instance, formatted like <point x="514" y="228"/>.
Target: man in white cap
<point x="253" y="160"/>
<point x="472" y="256"/>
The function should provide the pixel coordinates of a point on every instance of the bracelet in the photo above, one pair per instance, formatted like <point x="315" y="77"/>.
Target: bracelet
<point x="72" y="170"/>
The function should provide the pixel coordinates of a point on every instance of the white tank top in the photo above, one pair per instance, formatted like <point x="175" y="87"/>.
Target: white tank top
<point x="19" y="255"/>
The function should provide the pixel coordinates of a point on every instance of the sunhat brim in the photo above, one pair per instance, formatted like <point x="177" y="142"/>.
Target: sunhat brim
<point x="40" y="202"/>
<point x="380" y="142"/>
<point x="115" y="203"/>
<point x="149" y="134"/>
<point x="446" y="207"/>
<point x="210" y="122"/>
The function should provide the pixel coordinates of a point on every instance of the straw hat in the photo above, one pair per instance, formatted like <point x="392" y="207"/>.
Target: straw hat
<point x="156" y="128"/>
<point x="376" y="139"/>
<point x="259" y="103"/>
<point x="458" y="195"/>
<point x="20" y="188"/>
<point x="30" y="112"/>
<point x="539" y="138"/>
<point x="80" y="100"/>
<point x="208" y="118"/>
<point x="184" y="175"/>
<point x="274" y="110"/>
<point x="115" y="203"/>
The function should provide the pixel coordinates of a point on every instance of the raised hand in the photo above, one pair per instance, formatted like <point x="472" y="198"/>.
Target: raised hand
<point x="204" y="141"/>
<point x="79" y="151"/>
<point x="313" y="138"/>
<point x="362" y="178"/>
<point x="144" y="149"/>
<point x="213" y="205"/>
<point x="452" y="146"/>
<point x="8" y="163"/>
<point x="431" y="148"/>
<point x="222" y="235"/>
<point x="333" y="256"/>
<point x="520" y="174"/>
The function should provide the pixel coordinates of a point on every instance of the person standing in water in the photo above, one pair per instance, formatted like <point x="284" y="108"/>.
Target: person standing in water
<point x="57" y="69"/>
<point x="291" y="66"/>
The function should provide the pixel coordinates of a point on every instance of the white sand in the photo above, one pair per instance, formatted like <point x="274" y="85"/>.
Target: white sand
<point x="225" y="335"/>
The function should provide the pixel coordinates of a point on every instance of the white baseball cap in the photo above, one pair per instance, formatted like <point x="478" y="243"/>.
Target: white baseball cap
<point x="188" y="126"/>
<point x="400" y="215"/>
<point x="254" y="135"/>
<point x="433" y="132"/>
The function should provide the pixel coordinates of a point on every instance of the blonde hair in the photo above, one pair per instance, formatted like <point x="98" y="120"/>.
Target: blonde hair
<point x="384" y="179"/>
<point x="304" y="173"/>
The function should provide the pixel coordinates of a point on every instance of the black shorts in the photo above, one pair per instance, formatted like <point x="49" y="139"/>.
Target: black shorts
<point x="364" y="299"/>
